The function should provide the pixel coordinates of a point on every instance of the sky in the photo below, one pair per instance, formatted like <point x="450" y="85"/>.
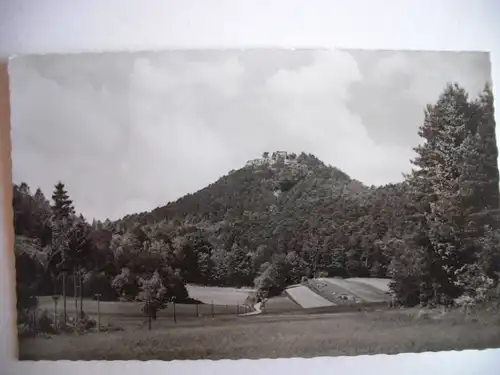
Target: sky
<point x="127" y="132"/>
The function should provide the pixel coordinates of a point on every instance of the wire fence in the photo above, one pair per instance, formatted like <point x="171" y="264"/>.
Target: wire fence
<point x="78" y="309"/>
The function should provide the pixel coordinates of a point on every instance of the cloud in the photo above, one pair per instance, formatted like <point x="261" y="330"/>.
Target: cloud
<point x="311" y="104"/>
<point x="129" y="132"/>
<point x="431" y="71"/>
<point x="119" y="145"/>
<point x="331" y="73"/>
<point x="62" y="134"/>
<point x="396" y="87"/>
<point x="387" y="67"/>
<point x="152" y="77"/>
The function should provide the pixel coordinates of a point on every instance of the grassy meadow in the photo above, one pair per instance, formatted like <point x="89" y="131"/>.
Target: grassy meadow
<point x="273" y="336"/>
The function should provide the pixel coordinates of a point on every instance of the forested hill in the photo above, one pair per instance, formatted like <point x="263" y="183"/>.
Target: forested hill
<point x="251" y="189"/>
<point x="288" y="205"/>
<point x="282" y="217"/>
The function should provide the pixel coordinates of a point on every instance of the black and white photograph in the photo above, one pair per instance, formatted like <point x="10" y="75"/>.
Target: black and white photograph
<point x="259" y="203"/>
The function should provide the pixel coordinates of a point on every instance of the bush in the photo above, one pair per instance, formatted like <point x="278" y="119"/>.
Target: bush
<point x="38" y="322"/>
<point x="44" y="322"/>
<point x="84" y="324"/>
<point x="251" y="299"/>
<point x="475" y="283"/>
<point x="267" y="286"/>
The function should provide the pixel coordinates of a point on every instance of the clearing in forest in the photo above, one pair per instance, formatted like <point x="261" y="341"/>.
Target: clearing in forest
<point x="306" y="298"/>
<point x="360" y="290"/>
<point x="378" y="283"/>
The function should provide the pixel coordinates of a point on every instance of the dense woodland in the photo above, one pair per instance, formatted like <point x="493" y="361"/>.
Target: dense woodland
<point x="436" y="234"/>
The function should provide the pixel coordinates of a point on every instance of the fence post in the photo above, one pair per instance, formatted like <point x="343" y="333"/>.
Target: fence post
<point x="175" y="316"/>
<point x="55" y="298"/>
<point x="98" y="312"/>
<point x="34" y="323"/>
<point x="148" y="304"/>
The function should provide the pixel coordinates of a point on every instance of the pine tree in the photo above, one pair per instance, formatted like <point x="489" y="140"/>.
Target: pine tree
<point x="438" y="218"/>
<point x="480" y="195"/>
<point x="62" y="210"/>
<point x="63" y="206"/>
<point x="42" y="213"/>
<point x="486" y="129"/>
<point x="452" y="188"/>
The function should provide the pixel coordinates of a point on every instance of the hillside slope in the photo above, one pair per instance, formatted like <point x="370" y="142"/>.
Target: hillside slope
<point x="285" y="217"/>
<point x="267" y="224"/>
<point x="304" y="215"/>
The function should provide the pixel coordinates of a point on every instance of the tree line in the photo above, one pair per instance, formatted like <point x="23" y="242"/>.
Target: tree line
<point x="436" y="235"/>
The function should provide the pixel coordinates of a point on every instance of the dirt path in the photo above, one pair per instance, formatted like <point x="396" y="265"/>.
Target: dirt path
<point x="256" y="312"/>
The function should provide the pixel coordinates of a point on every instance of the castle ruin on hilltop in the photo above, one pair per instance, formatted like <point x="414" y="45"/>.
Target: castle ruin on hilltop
<point x="276" y="157"/>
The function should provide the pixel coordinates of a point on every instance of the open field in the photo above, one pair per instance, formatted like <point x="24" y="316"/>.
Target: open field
<point x="362" y="291"/>
<point x="376" y="282"/>
<point x="271" y="336"/>
<point x="134" y="309"/>
<point x="280" y="304"/>
<point x="226" y="301"/>
<point x="218" y="295"/>
<point x="306" y="298"/>
<point x="329" y="291"/>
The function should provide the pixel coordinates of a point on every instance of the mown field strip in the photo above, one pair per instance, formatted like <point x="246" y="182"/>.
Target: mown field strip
<point x="306" y="298"/>
<point x="280" y="304"/>
<point x="362" y="291"/>
<point x="329" y="291"/>
<point x="377" y="283"/>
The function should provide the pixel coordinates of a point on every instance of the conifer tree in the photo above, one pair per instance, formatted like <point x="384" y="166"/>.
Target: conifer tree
<point x="41" y="214"/>
<point x="63" y="206"/>
<point x="62" y="210"/>
<point x="438" y="216"/>
<point x="452" y="190"/>
<point x="486" y="129"/>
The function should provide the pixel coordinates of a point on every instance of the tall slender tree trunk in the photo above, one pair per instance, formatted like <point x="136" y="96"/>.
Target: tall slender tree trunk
<point x="75" y="288"/>
<point x="54" y="283"/>
<point x="64" y="296"/>
<point x="55" y="313"/>
<point x="80" y="278"/>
